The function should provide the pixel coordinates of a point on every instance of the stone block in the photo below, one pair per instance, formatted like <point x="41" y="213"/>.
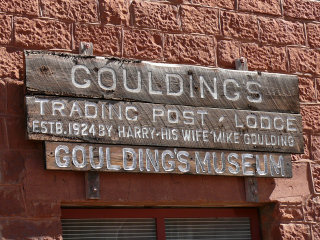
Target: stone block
<point x="294" y="231"/>
<point x="261" y="6"/>
<point x="199" y="20"/>
<point x="11" y="63"/>
<point x="42" y="33"/>
<point x="227" y="4"/>
<point x="312" y="209"/>
<point x="141" y="44"/>
<point x="281" y="32"/>
<point x="264" y="58"/>
<point x="304" y="60"/>
<point x="5" y="28"/>
<point x="307" y="91"/>
<point x="310" y="117"/>
<point x="228" y="51"/>
<point x="315" y="172"/>
<point x="115" y="11"/>
<point x="315" y="148"/>
<point x="156" y="15"/>
<point x="313" y="35"/>
<point x="76" y="11"/>
<point x="106" y="39"/>
<point x="306" y="150"/>
<point x="238" y="25"/>
<point x="291" y="211"/>
<point x="25" y="7"/>
<point x="304" y="9"/>
<point x="188" y="49"/>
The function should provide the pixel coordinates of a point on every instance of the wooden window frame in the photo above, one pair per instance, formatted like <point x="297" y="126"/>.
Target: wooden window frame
<point x="159" y="214"/>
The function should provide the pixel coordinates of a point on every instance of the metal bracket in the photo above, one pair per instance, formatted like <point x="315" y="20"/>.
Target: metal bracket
<point x="250" y="183"/>
<point x="241" y="64"/>
<point x="92" y="179"/>
<point x="86" y="48"/>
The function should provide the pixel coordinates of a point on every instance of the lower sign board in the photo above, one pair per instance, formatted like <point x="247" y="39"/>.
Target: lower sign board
<point x="117" y="158"/>
<point x="146" y="124"/>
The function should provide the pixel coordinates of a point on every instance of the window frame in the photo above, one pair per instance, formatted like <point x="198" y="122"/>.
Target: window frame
<point x="159" y="214"/>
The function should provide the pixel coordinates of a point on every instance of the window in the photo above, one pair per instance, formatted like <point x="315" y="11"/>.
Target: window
<point x="164" y="223"/>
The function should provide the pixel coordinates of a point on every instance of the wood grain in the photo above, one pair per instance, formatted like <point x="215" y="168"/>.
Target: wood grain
<point x="49" y="73"/>
<point x="222" y="164"/>
<point x="162" y="125"/>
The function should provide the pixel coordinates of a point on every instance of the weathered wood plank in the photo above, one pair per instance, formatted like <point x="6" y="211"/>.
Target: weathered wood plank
<point x="135" y="123"/>
<point x="113" y="158"/>
<point x="63" y="74"/>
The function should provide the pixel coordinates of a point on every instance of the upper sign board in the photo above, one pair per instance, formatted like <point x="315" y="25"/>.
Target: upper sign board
<point x="63" y="74"/>
<point x="222" y="122"/>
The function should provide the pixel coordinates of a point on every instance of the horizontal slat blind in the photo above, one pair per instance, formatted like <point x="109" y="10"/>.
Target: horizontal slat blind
<point x="115" y="228"/>
<point x="208" y="228"/>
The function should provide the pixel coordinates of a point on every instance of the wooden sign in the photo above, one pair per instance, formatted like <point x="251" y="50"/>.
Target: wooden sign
<point x="161" y="118"/>
<point x="113" y="158"/>
<point x="63" y="74"/>
<point x="136" y="123"/>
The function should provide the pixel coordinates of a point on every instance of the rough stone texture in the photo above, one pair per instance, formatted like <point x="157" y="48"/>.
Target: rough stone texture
<point x="315" y="168"/>
<point x="264" y="58"/>
<point x="295" y="231"/>
<point x="310" y="117"/>
<point x="316" y="231"/>
<point x="304" y="9"/>
<point x="315" y="148"/>
<point x="312" y="209"/>
<point x="106" y="39"/>
<point x="190" y="49"/>
<point x="237" y="25"/>
<point x="318" y="88"/>
<point x="80" y="10"/>
<point x="5" y="29"/>
<point x="41" y="229"/>
<point x="156" y="15"/>
<point x="228" y="4"/>
<point x="261" y="6"/>
<point x="304" y="60"/>
<point x="142" y="44"/>
<point x="28" y="7"/>
<point x="307" y="92"/>
<point x="228" y="51"/>
<point x="11" y="63"/>
<point x="15" y="101"/>
<point x="12" y="168"/>
<point x="11" y="201"/>
<point x="115" y="11"/>
<point x="313" y="35"/>
<point x="291" y="212"/>
<point x="199" y="20"/>
<point x="306" y="152"/>
<point x="282" y="32"/>
<point x="38" y="33"/>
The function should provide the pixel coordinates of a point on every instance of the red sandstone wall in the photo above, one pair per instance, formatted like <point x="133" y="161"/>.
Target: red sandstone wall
<point x="274" y="35"/>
